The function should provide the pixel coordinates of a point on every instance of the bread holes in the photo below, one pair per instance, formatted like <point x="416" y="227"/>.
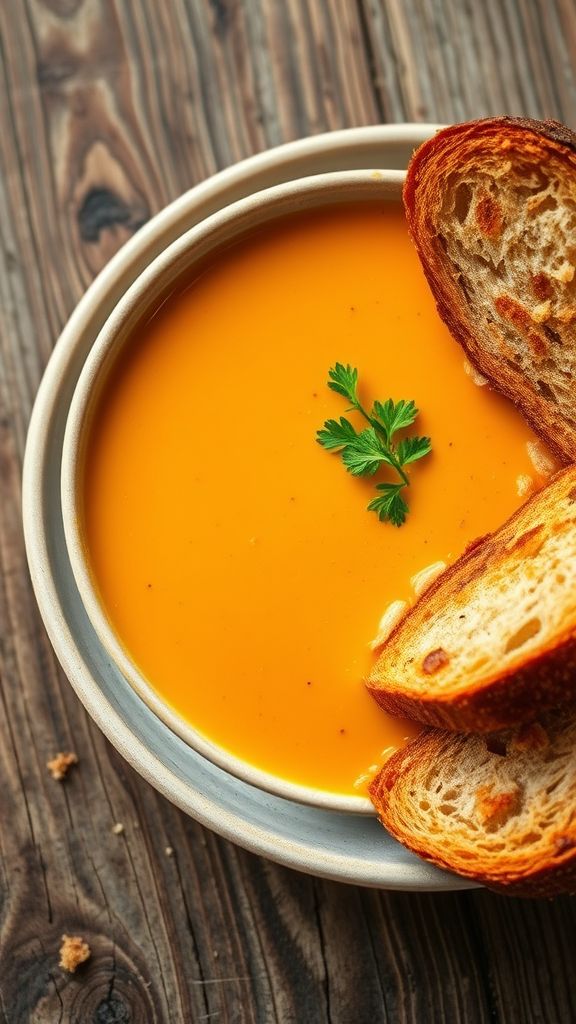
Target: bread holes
<point x="545" y="390"/>
<point x="552" y="335"/>
<point x="479" y="663"/>
<point x="541" y="204"/>
<point x="462" y="201"/>
<point x="452" y="794"/>
<point x="526" y="632"/>
<point x="552" y="786"/>
<point x="541" y="183"/>
<point x="447" y="809"/>
<point x="548" y="822"/>
<point x="529" y="839"/>
<point x="496" y="268"/>
<point x="465" y="288"/>
<point x="466" y="823"/>
<point x="512" y="364"/>
<point x="492" y="847"/>
<point x="495" y="745"/>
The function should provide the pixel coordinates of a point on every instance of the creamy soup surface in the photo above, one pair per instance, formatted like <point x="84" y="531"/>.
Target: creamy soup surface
<point x="235" y="558"/>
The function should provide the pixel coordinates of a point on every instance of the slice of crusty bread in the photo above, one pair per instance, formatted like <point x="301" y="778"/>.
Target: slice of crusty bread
<point x="492" y="642"/>
<point x="491" y="207"/>
<point x="501" y="811"/>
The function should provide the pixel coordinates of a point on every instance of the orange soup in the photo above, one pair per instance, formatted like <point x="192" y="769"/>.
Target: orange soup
<point x="234" y="556"/>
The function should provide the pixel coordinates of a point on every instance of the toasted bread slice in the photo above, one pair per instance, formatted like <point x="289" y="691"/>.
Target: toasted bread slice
<point x="491" y="207"/>
<point x="500" y="811"/>
<point x="492" y="642"/>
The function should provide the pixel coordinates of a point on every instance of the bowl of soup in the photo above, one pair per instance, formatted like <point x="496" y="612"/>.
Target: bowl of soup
<point x="226" y="561"/>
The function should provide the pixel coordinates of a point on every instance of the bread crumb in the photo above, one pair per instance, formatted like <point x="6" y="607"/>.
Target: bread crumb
<point x="73" y="952"/>
<point x="474" y="375"/>
<point x="169" y="850"/>
<point x="541" y="312"/>
<point x="369" y="774"/>
<point x="564" y="274"/>
<point x="524" y="485"/>
<point x="118" y="828"/>
<point x="543" y="462"/>
<point x="60" y="765"/>
<point x="420" y="581"/>
<point x="389" y="620"/>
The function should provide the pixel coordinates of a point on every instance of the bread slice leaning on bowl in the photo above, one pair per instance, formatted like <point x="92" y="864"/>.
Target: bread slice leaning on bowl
<point x="491" y="207"/>
<point x="492" y="642"/>
<point x="501" y="811"/>
<point x="491" y="645"/>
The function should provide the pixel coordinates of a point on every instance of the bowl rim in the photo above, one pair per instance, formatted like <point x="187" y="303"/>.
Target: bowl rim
<point x="203" y="240"/>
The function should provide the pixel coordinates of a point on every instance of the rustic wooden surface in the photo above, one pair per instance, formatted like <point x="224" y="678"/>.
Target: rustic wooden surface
<point x="109" y="109"/>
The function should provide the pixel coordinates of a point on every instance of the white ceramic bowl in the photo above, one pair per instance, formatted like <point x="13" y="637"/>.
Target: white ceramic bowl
<point x="343" y="847"/>
<point x="181" y="258"/>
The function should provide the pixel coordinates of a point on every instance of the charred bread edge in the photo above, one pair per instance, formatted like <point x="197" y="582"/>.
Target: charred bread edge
<point x="547" y="681"/>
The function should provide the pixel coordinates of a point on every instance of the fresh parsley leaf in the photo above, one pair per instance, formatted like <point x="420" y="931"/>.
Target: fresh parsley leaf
<point x="394" y="416"/>
<point x="365" y="452"/>
<point x="390" y="505"/>
<point x="410" y="449"/>
<point x="336" y="434"/>
<point x="344" y="381"/>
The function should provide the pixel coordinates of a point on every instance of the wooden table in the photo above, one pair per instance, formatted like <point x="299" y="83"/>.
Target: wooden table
<point x="109" y="109"/>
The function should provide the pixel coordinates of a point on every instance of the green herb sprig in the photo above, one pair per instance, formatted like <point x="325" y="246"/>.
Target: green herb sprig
<point x="366" y="451"/>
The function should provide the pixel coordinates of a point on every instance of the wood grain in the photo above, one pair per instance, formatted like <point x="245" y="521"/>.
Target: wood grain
<point x="108" y="110"/>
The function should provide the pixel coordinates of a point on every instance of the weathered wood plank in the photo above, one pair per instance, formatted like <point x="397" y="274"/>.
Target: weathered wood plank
<point x="109" y="109"/>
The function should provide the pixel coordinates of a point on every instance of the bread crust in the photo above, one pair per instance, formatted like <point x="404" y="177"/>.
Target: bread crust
<point x="545" y="679"/>
<point x="545" y="875"/>
<point x="429" y="169"/>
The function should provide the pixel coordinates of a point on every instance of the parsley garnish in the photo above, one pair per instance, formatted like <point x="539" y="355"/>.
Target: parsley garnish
<point x="366" y="451"/>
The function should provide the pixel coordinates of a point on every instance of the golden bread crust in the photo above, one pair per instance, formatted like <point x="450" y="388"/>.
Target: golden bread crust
<point x="465" y="809"/>
<point x="489" y="147"/>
